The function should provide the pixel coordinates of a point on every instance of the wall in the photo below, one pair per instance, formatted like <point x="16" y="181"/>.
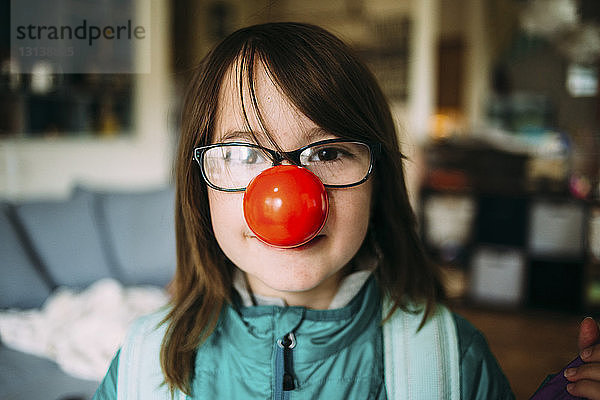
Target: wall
<point x="51" y="167"/>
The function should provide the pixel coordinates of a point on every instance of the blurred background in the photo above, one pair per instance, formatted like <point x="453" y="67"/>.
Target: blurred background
<point x="497" y="108"/>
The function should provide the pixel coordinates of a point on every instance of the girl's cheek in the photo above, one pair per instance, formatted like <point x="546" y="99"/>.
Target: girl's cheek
<point x="350" y="206"/>
<point x="226" y="210"/>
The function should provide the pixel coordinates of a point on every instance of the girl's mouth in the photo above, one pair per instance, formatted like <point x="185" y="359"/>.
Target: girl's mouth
<point x="314" y="241"/>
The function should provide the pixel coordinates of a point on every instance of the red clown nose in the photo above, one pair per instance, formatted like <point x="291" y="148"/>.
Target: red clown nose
<point x="286" y="206"/>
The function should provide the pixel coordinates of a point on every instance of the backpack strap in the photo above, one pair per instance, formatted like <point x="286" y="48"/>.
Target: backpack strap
<point x="421" y="364"/>
<point x="140" y="375"/>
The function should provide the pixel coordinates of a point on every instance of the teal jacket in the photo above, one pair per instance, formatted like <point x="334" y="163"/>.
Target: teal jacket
<point x="337" y="354"/>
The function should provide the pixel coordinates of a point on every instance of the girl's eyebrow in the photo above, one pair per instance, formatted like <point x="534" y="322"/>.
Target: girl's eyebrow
<point x="235" y="134"/>
<point x="312" y="134"/>
<point x="318" y="133"/>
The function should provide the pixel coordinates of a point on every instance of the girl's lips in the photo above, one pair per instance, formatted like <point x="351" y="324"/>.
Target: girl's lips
<point x="317" y="239"/>
<point x="314" y="241"/>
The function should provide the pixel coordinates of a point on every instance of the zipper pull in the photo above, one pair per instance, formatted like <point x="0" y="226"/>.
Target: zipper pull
<point x="287" y="343"/>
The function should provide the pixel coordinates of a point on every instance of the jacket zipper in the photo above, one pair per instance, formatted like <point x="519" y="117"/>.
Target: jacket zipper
<point x="284" y="372"/>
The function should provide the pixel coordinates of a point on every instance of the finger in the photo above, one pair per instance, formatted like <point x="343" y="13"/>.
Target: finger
<point x="589" y="371"/>
<point x="585" y="388"/>
<point x="590" y="354"/>
<point x="588" y="333"/>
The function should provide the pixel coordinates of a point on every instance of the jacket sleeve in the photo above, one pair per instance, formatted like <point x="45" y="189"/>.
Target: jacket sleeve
<point x="108" y="387"/>
<point x="481" y="376"/>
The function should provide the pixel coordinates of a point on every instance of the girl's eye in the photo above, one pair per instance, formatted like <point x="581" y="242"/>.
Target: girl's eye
<point x="241" y="155"/>
<point x="249" y="156"/>
<point x="325" y="154"/>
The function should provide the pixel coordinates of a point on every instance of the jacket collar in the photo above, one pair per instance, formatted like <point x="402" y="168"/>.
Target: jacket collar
<point x="319" y="333"/>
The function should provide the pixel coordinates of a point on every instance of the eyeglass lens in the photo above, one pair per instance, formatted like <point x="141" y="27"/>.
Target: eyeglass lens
<point x="339" y="163"/>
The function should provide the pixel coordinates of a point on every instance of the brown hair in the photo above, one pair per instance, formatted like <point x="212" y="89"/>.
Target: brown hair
<point x="321" y="76"/>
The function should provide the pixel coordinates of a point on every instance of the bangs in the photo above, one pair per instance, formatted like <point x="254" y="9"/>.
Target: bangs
<point x="321" y="78"/>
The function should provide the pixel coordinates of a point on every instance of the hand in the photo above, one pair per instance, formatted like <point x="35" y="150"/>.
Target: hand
<point x="586" y="378"/>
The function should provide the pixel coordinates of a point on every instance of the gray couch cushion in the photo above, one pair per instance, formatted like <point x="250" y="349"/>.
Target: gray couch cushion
<point x="139" y="230"/>
<point x="65" y="236"/>
<point x="21" y="286"/>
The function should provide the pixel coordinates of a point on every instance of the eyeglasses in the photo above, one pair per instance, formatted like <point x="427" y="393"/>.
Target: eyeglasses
<point x="337" y="163"/>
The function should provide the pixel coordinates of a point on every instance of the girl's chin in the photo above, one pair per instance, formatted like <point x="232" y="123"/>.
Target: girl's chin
<point x="297" y="287"/>
<point x="287" y="285"/>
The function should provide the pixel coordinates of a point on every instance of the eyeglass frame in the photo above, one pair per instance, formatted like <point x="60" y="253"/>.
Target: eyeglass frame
<point x="294" y="156"/>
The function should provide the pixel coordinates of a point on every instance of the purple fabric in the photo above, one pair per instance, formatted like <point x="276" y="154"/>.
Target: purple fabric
<point x="556" y="387"/>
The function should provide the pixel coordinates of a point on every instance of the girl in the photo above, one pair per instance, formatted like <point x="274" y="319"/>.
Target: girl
<point x="337" y="302"/>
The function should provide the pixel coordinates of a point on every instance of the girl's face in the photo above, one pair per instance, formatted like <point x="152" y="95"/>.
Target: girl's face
<point x="308" y="275"/>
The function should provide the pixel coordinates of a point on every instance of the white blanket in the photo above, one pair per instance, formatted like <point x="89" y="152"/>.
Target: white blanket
<point x="80" y="331"/>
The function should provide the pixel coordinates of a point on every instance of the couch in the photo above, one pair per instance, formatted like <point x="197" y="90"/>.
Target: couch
<point x="47" y="244"/>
